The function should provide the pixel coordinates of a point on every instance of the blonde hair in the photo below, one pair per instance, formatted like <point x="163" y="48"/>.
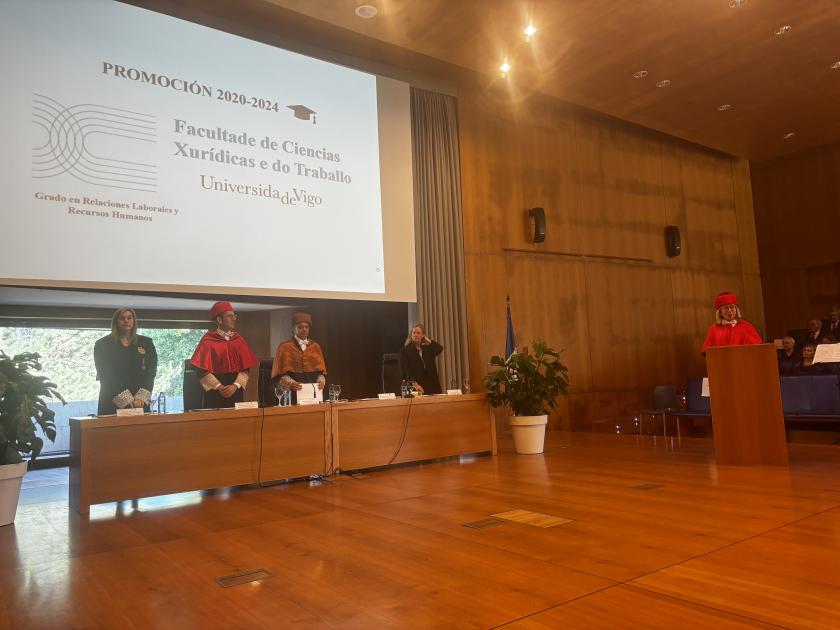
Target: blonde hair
<point x="411" y="330"/>
<point x="719" y="317"/>
<point x="115" y="318"/>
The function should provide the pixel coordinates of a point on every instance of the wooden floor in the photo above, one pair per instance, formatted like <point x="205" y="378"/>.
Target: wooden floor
<point x="660" y="538"/>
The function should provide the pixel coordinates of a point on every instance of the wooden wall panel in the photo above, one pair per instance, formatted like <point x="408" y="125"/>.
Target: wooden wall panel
<point x="631" y="324"/>
<point x="797" y="211"/>
<point x="601" y="285"/>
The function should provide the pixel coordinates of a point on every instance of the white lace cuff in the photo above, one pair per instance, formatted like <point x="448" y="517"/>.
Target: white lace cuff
<point x="143" y="395"/>
<point x="241" y="380"/>
<point x="209" y="382"/>
<point x="123" y="399"/>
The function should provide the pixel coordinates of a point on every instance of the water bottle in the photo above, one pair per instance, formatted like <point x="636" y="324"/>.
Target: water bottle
<point x="161" y="403"/>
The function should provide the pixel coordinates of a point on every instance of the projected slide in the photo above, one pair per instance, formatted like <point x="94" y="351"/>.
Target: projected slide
<point x="147" y="150"/>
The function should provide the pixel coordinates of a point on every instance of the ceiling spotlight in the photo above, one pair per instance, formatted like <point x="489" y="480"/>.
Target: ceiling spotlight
<point x="641" y="74"/>
<point x="505" y="67"/>
<point x="788" y="135"/>
<point x="724" y="107"/>
<point x="782" y="30"/>
<point x="734" y="4"/>
<point x="529" y="31"/>
<point x="366" y="11"/>
<point x="663" y="83"/>
<point x="835" y="65"/>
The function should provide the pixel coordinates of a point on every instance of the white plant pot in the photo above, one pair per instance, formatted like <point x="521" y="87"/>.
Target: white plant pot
<point x="11" y="476"/>
<point x="528" y="433"/>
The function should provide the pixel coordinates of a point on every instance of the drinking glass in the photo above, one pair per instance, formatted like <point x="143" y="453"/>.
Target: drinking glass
<point x="335" y="391"/>
<point x="466" y="389"/>
<point x="283" y="395"/>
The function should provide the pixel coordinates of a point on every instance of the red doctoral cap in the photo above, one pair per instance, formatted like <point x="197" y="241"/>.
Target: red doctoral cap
<point x="722" y="299"/>
<point x="218" y="308"/>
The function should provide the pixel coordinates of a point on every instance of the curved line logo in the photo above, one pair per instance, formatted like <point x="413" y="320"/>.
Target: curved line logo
<point x="87" y="141"/>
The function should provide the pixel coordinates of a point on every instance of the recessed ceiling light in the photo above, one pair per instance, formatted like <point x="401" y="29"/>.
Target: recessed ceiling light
<point x="734" y="4"/>
<point x="788" y="135"/>
<point x="366" y="11"/>
<point x="782" y="30"/>
<point x="641" y="74"/>
<point x="663" y="83"/>
<point x="724" y="107"/>
<point x="505" y="67"/>
<point x="835" y="65"/>
<point x="529" y="31"/>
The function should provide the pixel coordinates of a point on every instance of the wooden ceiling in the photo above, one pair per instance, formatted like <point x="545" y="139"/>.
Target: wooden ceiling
<point x="586" y="52"/>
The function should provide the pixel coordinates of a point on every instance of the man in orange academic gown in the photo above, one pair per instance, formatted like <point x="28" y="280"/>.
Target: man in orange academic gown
<point x="729" y="329"/>
<point x="299" y="360"/>
<point x="224" y="360"/>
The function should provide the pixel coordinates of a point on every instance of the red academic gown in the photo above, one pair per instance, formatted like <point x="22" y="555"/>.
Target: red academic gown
<point x="217" y="355"/>
<point x="741" y="334"/>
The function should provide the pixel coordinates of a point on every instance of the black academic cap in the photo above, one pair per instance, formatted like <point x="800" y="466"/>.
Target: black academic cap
<point x="302" y="111"/>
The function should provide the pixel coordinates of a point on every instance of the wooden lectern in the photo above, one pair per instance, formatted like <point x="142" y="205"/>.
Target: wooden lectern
<point x="747" y="417"/>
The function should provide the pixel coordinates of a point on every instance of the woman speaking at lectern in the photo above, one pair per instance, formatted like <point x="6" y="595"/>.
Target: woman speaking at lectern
<point x="729" y="329"/>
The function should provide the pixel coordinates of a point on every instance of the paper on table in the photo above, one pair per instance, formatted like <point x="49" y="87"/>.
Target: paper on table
<point x="309" y="394"/>
<point x="704" y="389"/>
<point x="827" y="353"/>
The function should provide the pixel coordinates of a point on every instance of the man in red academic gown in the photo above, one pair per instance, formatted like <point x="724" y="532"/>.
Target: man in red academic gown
<point x="729" y="328"/>
<point x="224" y="360"/>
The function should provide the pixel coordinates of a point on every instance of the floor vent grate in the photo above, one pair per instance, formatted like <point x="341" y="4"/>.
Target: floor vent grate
<point x="484" y="523"/>
<point x="534" y="519"/>
<point x="235" y="579"/>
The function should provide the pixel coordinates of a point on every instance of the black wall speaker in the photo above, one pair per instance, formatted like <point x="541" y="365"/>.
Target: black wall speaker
<point x="537" y="216"/>
<point x="672" y="240"/>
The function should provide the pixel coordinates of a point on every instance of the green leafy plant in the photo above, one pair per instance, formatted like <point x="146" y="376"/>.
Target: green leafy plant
<point x="22" y="407"/>
<point x="528" y="381"/>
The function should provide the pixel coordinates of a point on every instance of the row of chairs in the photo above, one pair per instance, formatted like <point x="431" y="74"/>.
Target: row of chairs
<point x="807" y="402"/>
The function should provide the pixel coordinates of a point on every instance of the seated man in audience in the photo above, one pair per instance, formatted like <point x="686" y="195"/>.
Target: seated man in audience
<point x="788" y="357"/>
<point x="831" y="326"/>
<point x="813" y="333"/>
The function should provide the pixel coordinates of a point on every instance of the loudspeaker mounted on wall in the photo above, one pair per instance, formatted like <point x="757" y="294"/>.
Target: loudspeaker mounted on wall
<point x="673" y="245"/>
<point x="537" y="216"/>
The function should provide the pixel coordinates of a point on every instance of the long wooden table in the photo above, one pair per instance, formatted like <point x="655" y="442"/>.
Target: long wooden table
<point x="118" y="458"/>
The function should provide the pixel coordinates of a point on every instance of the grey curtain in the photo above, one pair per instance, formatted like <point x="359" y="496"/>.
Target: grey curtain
<point x="439" y="231"/>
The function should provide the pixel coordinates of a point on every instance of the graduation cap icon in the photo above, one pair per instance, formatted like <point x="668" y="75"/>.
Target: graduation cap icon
<point x="303" y="112"/>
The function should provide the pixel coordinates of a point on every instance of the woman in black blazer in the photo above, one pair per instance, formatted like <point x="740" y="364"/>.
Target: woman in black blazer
<point x="418" y="361"/>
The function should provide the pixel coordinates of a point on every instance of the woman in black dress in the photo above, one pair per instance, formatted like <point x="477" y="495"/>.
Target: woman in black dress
<point x="418" y="361"/>
<point x="126" y="364"/>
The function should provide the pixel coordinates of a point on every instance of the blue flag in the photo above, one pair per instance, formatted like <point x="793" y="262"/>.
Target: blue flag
<point x="510" y="339"/>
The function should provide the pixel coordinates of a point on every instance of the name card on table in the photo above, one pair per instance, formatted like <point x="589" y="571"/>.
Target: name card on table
<point x="251" y="404"/>
<point x="453" y="392"/>
<point x="131" y="411"/>
<point x="389" y="396"/>
<point x="309" y="394"/>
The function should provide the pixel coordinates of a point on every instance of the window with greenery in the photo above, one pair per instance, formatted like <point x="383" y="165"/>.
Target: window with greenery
<point x="67" y="357"/>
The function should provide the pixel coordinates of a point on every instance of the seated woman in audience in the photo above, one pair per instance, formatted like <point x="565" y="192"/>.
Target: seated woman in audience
<point x="418" y="361"/>
<point x="788" y="357"/>
<point x="808" y="367"/>
<point x="729" y="329"/>
<point x="126" y="365"/>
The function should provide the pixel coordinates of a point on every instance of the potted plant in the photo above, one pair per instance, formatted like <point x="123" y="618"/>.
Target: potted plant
<point x="528" y="382"/>
<point x="22" y="410"/>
